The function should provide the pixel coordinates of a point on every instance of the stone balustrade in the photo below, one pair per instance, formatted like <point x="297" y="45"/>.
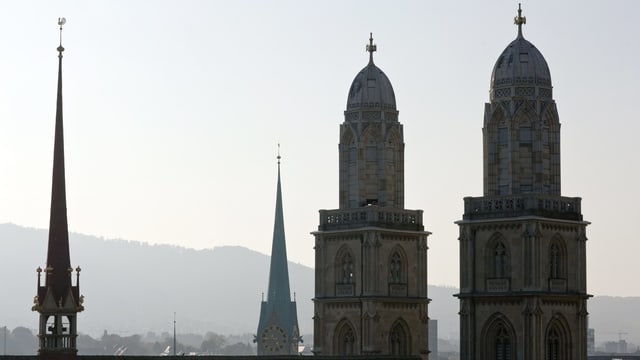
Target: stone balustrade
<point x="556" y="207"/>
<point x="374" y="216"/>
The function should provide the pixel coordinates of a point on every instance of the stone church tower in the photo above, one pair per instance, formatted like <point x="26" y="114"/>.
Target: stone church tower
<point x="278" y="332"/>
<point x="522" y="245"/>
<point x="371" y="253"/>
<point x="58" y="301"/>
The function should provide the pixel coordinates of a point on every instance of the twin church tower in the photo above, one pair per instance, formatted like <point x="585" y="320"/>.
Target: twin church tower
<point x="522" y="244"/>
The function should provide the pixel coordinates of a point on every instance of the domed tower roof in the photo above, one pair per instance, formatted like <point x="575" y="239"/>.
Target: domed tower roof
<point x="371" y="88"/>
<point x="520" y="64"/>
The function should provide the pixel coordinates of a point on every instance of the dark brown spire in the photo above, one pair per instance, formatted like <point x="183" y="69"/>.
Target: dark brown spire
<point x="58" y="272"/>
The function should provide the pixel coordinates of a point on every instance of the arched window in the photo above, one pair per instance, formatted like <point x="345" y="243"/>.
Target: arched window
<point x="347" y="269"/>
<point x="396" y="275"/>
<point x="500" y="260"/>
<point x="557" y="259"/>
<point x="499" y="339"/>
<point x="502" y="344"/>
<point x="553" y="345"/>
<point x="345" y="341"/>
<point x="554" y="260"/>
<point x="556" y="341"/>
<point x="398" y="344"/>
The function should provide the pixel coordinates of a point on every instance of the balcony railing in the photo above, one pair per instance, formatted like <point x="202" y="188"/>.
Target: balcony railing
<point x="490" y="207"/>
<point x="58" y="342"/>
<point x="389" y="218"/>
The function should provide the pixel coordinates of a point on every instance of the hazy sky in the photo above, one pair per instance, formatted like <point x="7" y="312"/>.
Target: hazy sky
<point x="173" y="110"/>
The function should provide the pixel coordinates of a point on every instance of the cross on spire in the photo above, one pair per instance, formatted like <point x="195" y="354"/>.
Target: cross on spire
<point x="520" y="20"/>
<point x="371" y="47"/>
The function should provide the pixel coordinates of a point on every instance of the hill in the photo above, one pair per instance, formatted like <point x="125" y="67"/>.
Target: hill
<point x="133" y="288"/>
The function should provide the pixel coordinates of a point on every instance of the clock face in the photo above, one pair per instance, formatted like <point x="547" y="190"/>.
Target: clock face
<point x="274" y="338"/>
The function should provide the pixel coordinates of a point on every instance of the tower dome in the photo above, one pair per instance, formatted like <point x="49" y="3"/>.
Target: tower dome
<point x="521" y="70"/>
<point x="371" y="88"/>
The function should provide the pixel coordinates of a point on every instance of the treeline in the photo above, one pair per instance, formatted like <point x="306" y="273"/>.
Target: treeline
<point x="22" y="341"/>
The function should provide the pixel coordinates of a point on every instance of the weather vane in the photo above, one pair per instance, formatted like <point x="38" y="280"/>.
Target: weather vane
<point x="61" y="21"/>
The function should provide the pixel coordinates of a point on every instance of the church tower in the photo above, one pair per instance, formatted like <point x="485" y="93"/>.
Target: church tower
<point x="371" y="253"/>
<point x="278" y="332"/>
<point x="523" y="282"/>
<point x="58" y="301"/>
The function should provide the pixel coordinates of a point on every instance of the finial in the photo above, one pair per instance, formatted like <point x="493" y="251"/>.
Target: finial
<point x="279" y="157"/>
<point x="371" y="47"/>
<point x="520" y="20"/>
<point x="61" y="21"/>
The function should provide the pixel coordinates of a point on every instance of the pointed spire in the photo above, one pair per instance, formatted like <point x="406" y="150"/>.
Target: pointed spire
<point x="520" y="20"/>
<point x="279" y="271"/>
<point x="371" y="47"/>
<point x="58" y="275"/>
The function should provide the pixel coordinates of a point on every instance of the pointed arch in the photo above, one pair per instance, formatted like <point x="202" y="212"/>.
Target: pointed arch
<point x="498" y="257"/>
<point x="499" y="338"/>
<point x="524" y="114"/>
<point x="497" y="117"/>
<point x="371" y="135"/>
<point x="344" y="266"/>
<point x="557" y="258"/>
<point x="347" y="138"/>
<point x="393" y="137"/>
<point x="399" y="338"/>
<point x="550" y="115"/>
<point x="345" y="338"/>
<point x="397" y="265"/>
<point x="557" y="339"/>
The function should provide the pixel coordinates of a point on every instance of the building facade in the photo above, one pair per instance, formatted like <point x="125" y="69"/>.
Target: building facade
<point x="278" y="332"/>
<point x="371" y="253"/>
<point x="58" y="301"/>
<point x="522" y="245"/>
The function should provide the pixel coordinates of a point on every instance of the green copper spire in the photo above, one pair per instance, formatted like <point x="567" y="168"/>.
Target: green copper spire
<point x="278" y="332"/>
<point x="279" y="271"/>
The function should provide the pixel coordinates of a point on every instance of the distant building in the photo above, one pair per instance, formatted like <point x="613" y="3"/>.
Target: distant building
<point x="522" y="245"/>
<point x="591" y="341"/>
<point x="58" y="301"/>
<point x="433" y="339"/>
<point x="616" y="347"/>
<point x="278" y="332"/>
<point x="371" y="253"/>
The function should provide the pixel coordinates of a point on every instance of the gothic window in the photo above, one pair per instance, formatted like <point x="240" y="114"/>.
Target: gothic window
<point x="502" y="344"/>
<point x="396" y="268"/>
<point x="499" y="339"/>
<point x="556" y="347"/>
<point x="554" y="255"/>
<point x="503" y="136"/>
<point x="398" y="340"/>
<point x="525" y="135"/>
<point x="347" y="269"/>
<point x="346" y="340"/>
<point x="500" y="260"/>
<point x="557" y="266"/>
<point x="553" y="345"/>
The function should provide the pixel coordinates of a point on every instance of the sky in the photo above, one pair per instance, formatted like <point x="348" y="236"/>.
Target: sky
<point x="173" y="111"/>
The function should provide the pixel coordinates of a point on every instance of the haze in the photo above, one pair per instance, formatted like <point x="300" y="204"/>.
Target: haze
<point x="173" y="110"/>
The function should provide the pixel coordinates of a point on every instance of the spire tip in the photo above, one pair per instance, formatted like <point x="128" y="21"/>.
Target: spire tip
<point x="371" y="47"/>
<point x="520" y="20"/>
<point x="278" y="157"/>
<point x="61" y="21"/>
